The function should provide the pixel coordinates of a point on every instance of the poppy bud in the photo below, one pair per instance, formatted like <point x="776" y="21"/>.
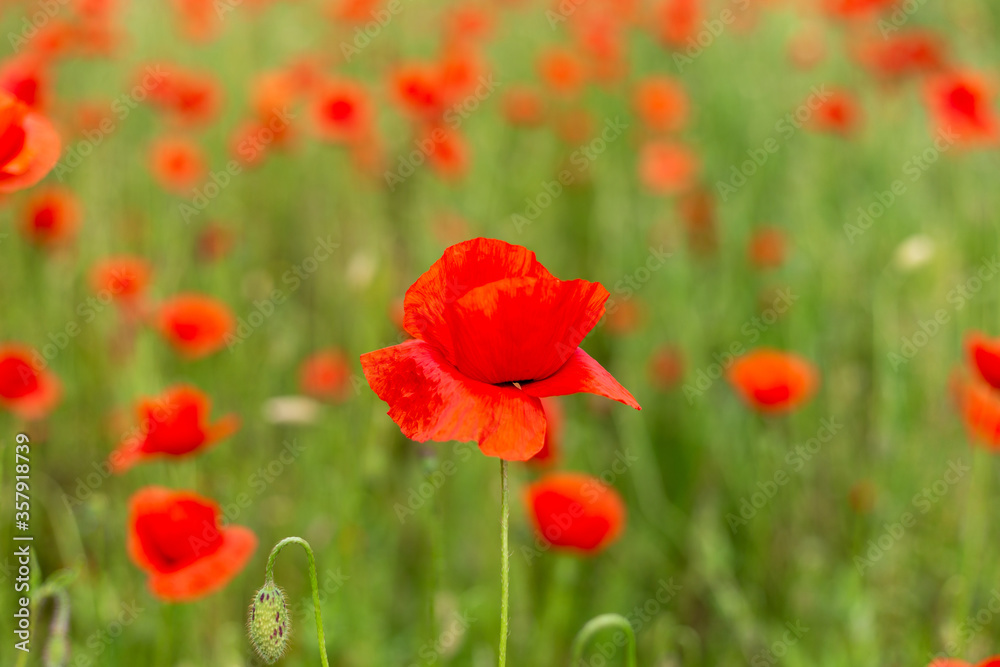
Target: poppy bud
<point x="269" y="624"/>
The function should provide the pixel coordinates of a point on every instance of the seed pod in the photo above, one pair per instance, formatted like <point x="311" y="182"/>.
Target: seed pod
<point x="269" y="625"/>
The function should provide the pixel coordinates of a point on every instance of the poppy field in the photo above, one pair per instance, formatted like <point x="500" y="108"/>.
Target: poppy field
<point x="499" y="332"/>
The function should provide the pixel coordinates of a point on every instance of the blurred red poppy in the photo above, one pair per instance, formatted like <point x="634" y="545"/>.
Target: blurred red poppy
<point x="176" y="538"/>
<point x="551" y="452"/>
<point x="449" y="155"/>
<point x="418" y="88"/>
<point x="124" y="278"/>
<point x="493" y="332"/>
<point x="178" y="165"/>
<point x="767" y="248"/>
<point x="25" y="78"/>
<point x="26" y="390"/>
<point x="771" y="381"/>
<point x="984" y="357"/>
<point x="661" y="104"/>
<point x="901" y="54"/>
<point x="195" y="324"/>
<point x="962" y="104"/>
<point x="29" y="145"/>
<point x="172" y="425"/>
<point x="575" y="511"/>
<point x="341" y="111"/>
<point x="190" y="97"/>
<point x="839" y="113"/>
<point x="562" y="71"/>
<point x="523" y="105"/>
<point x="326" y="375"/>
<point x="667" y="168"/>
<point x="953" y="662"/>
<point x="679" y="21"/>
<point x="848" y="9"/>
<point x="51" y="217"/>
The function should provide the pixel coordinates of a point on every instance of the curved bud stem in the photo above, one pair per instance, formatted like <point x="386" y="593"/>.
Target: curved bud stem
<point x="504" y="561"/>
<point x="603" y="622"/>
<point x="313" y="581"/>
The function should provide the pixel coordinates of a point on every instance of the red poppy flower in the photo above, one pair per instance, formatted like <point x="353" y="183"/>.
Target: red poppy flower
<point x="771" y="381"/>
<point x="493" y="332"/>
<point x="807" y="48"/>
<point x="26" y="390"/>
<point x="26" y="79"/>
<point x="195" y="324"/>
<point x="342" y="112"/>
<point x="326" y="375"/>
<point x="848" y="9"/>
<point x="449" y="155"/>
<point x="177" y="164"/>
<point x="523" y="105"/>
<point x="29" y="145"/>
<point x="984" y="357"/>
<point x="460" y="71"/>
<point x="661" y="104"/>
<point x="174" y="424"/>
<point x="575" y="511"/>
<point x="123" y="278"/>
<point x="419" y="89"/>
<point x="679" y="21"/>
<point x="551" y="451"/>
<point x="767" y="248"/>
<point x="190" y="97"/>
<point x="902" y="54"/>
<point x="667" y="168"/>
<point x="175" y="537"/>
<point x="51" y="217"/>
<point x="562" y="71"/>
<point x="839" y="113"/>
<point x="979" y="404"/>
<point x="962" y="103"/>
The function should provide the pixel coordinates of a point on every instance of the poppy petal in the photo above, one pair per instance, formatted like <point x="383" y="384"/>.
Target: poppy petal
<point x="210" y="573"/>
<point x="522" y="329"/>
<point x="430" y="400"/>
<point x="582" y="374"/>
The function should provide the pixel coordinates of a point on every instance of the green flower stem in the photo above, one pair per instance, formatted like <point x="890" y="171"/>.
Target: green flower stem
<point x="603" y="622"/>
<point x="314" y="582"/>
<point x="504" y="561"/>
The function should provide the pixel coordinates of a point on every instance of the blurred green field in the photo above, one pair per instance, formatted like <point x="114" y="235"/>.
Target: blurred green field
<point x="720" y="564"/>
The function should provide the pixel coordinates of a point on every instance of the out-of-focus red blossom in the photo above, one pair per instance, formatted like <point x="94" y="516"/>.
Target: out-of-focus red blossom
<point x="839" y="113"/>
<point x="96" y="9"/>
<point x="661" y="104"/>
<point x="214" y="242"/>
<point x="27" y="390"/>
<point x="342" y="112"/>
<point x="523" y="105"/>
<point x="190" y="97"/>
<point x="172" y="425"/>
<point x="984" y="357"/>
<point x="678" y="21"/>
<point x="697" y="211"/>
<point x="551" y="452"/>
<point x="97" y="38"/>
<point x="449" y="157"/>
<point x="176" y="538"/>
<point x="51" y="217"/>
<point x="961" y="104"/>
<point x="326" y="375"/>
<point x="89" y="116"/>
<point x="354" y="11"/>
<point x="200" y="19"/>
<point x="850" y="9"/>
<point x="418" y="88"/>
<point x="469" y="23"/>
<point x="177" y="164"/>
<point x="767" y="248"/>
<point x="195" y="324"/>
<point x="953" y="662"/>
<point x="667" y="168"/>
<point x="771" y="381"/>
<point x="901" y="54"/>
<point x="29" y="145"/>
<point x="575" y="511"/>
<point x="461" y="72"/>
<point x="56" y="38"/>
<point x="624" y="317"/>
<point x="493" y="332"/>
<point x="807" y="48"/>
<point x="124" y="278"/>
<point x="561" y="71"/>
<point x="275" y="93"/>
<point x="666" y="367"/>
<point x="26" y="78"/>
<point x="600" y="36"/>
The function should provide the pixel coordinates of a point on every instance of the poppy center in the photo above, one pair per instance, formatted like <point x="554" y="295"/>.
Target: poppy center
<point x="17" y="378"/>
<point x="340" y="110"/>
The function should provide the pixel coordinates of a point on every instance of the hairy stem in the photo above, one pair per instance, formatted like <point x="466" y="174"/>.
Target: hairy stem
<point x="313" y="581"/>
<point x="504" y="561"/>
